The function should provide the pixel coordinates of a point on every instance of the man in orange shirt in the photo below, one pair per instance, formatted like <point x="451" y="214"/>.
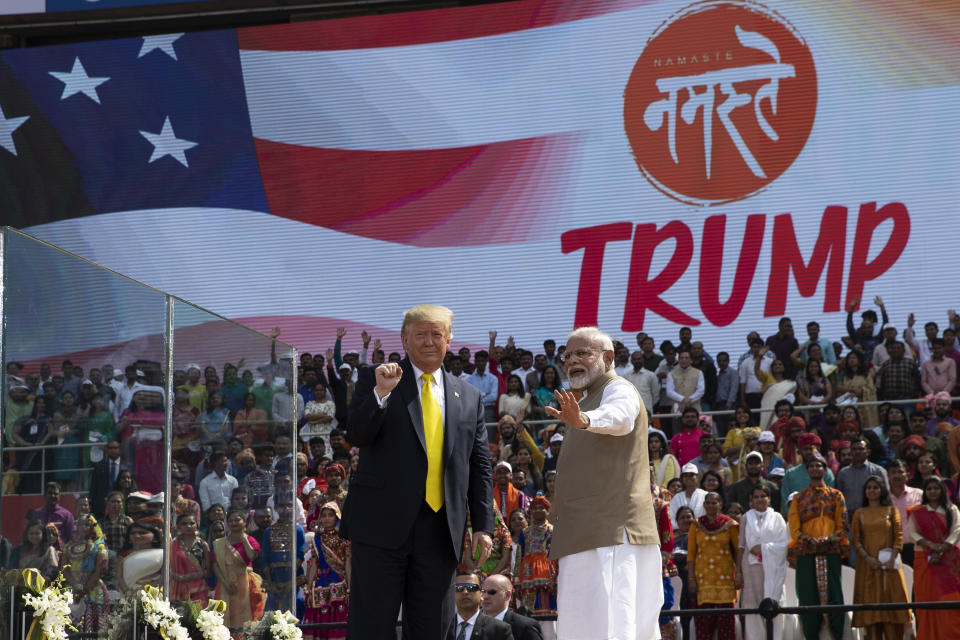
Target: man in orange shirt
<point x="818" y="542"/>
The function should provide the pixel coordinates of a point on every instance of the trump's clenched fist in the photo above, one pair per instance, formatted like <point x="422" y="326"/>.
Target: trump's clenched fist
<point x="388" y="376"/>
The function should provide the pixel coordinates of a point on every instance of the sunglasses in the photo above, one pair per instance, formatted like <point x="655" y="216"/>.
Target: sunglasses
<point x="491" y="592"/>
<point x="472" y="588"/>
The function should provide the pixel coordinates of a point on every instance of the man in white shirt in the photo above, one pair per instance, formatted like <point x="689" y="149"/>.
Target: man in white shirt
<point x="526" y="368"/>
<point x="903" y="497"/>
<point x="456" y="368"/>
<point x="125" y="391"/>
<point x="621" y="361"/>
<point x="471" y="623"/>
<point x="495" y="597"/>
<point x="751" y="389"/>
<point x="880" y="354"/>
<point x="217" y="487"/>
<point x="691" y="496"/>
<point x="646" y="381"/>
<point x="922" y="348"/>
<point x="605" y="538"/>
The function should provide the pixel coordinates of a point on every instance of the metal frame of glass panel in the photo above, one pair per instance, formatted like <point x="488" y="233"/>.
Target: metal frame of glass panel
<point x="109" y="316"/>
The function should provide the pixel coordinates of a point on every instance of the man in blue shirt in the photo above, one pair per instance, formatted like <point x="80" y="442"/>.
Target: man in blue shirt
<point x="486" y="382"/>
<point x="796" y="477"/>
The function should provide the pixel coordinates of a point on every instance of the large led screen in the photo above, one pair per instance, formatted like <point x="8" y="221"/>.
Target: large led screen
<point x="534" y="165"/>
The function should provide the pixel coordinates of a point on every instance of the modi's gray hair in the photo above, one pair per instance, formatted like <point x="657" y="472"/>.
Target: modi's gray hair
<point x="592" y="334"/>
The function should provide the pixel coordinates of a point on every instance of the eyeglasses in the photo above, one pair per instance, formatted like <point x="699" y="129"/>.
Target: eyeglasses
<point x="579" y="354"/>
<point x="466" y="586"/>
<point x="491" y="592"/>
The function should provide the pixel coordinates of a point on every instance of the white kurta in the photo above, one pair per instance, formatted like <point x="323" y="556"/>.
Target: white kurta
<point x="605" y="593"/>
<point x="764" y="577"/>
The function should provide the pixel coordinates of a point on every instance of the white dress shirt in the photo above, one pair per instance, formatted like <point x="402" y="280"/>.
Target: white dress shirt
<point x="749" y="378"/>
<point x="695" y="502"/>
<point x="216" y="490"/>
<point x="436" y="386"/>
<point x="619" y="408"/>
<point x="647" y="384"/>
<point x="623" y="369"/>
<point x="471" y="623"/>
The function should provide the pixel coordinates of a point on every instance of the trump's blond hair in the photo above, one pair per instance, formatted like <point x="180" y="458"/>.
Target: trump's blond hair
<point x="428" y="313"/>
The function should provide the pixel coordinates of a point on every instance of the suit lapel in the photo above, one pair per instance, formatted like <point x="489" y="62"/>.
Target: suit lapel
<point x="410" y="394"/>
<point x="452" y="418"/>
<point x="478" y="627"/>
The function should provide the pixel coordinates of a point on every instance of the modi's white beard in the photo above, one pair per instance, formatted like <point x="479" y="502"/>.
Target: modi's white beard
<point x="586" y="378"/>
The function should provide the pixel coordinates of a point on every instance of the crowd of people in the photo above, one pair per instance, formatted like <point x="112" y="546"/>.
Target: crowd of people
<point x="808" y="455"/>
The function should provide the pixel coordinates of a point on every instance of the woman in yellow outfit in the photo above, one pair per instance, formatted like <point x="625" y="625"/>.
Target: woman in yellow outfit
<point x="711" y="567"/>
<point x="877" y="537"/>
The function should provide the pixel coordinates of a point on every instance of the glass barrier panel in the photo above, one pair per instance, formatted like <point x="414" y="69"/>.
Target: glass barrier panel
<point x="234" y="465"/>
<point x="83" y="416"/>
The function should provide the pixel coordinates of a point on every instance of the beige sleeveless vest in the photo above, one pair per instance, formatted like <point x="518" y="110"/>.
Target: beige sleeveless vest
<point x="685" y="382"/>
<point x="603" y="485"/>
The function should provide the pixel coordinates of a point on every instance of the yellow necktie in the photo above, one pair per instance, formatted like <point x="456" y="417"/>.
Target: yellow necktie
<point x="433" y="438"/>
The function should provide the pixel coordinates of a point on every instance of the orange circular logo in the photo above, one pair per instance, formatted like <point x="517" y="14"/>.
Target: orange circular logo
<point x="721" y="101"/>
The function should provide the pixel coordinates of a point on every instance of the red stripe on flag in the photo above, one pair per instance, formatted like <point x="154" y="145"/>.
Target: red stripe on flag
<point x="489" y="194"/>
<point x="420" y="27"/>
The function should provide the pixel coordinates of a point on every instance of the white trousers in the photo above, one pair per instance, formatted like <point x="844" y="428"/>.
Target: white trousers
<point x="610" y="593"/>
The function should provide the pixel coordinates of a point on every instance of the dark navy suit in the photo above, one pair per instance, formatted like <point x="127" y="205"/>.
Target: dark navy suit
<point x="403" y="551"/>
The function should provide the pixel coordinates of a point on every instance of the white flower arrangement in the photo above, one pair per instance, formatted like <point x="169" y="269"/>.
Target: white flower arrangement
<point x="159" y="614"/>
<point x="51" y="607"/>
<point x="284" y="626"/>
<point x="210" y="622"/>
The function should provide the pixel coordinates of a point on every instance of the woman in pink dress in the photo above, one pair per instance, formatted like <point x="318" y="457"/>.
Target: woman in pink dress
<point x="141" y="431"/>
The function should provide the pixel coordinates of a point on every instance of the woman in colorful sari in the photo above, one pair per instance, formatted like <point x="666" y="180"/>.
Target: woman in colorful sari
<point x="237" y="585"/>
<point x="500" y="553"/>
<point x="934" y="528"/>
<point x="711" y="574"/>
<point x="84" y="563"/>
<point x="190" y="563"/>
<point x="762" y="561"/>
<point x="328" y="575"/>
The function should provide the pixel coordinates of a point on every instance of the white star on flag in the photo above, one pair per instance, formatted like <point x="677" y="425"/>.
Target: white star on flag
<point x="164" y="42"/>
<point x="166" y="143"/>
<point x="77" y="81"/>
<point x="7" y="127"/>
